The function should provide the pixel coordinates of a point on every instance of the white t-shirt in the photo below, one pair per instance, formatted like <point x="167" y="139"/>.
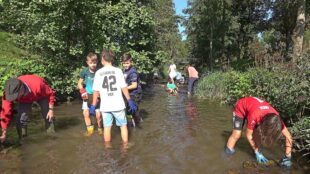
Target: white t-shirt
<point x="173" y="70"/>
<point x="109" y="81"/>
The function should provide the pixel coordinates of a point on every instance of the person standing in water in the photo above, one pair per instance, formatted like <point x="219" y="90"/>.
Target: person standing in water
<point x="172" y="71"/>
<point x="264" y="127"/>
<point x="193" y="78"/>
<point x="86" y="79"/>
<point x="133" y="84"/>
<point x="110" y="85"/>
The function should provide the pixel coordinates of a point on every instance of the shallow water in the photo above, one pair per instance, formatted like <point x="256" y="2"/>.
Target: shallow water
<point x="178" y="135"/>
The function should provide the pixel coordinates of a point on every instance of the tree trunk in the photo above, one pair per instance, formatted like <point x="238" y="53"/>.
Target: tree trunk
<point x="298" y="33"/>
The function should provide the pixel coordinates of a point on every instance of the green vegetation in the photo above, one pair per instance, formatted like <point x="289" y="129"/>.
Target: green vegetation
<point x="62" y="33"/>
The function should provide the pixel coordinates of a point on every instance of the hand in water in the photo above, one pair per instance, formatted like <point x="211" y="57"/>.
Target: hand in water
<point x="260" y="157"/>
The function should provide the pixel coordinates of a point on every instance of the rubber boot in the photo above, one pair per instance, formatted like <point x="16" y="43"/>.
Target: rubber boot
<point x="89" y="131"/>
<point x="21" y="131"/>
<point x="51" y="128"/>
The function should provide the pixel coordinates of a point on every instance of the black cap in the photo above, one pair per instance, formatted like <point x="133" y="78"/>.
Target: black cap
<point x="12" y="88"/>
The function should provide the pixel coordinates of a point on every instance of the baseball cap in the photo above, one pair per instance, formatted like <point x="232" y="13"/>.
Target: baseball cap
<point x="13" y="88"/>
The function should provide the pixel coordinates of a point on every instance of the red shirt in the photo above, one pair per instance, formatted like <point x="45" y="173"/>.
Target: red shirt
<point x="254" y="110"/>
<point x="38" y="90"/>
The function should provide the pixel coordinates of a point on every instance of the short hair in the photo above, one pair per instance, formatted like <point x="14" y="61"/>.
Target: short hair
<point x="91" y="56"/>
<point x="107" y="55"/>
<point x="126" y="57"/>
<point x="268" y="131"/>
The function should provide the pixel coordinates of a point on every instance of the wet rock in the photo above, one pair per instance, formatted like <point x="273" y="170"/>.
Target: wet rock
<point x="254" y="164"/>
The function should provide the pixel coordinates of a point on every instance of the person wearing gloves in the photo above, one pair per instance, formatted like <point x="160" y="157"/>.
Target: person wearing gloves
<point x="87" y="79"/>
<point x="264" y="127"/>
<point x="25" y="90"/>
<point x="109" y="84"/>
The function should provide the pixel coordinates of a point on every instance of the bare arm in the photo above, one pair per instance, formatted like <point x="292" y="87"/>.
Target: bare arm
<point x="126" y="93"/>
<point x="288" y="142"/>
<point x="133" y="85"/>
<point x="95" y="97"/>
<point x="80" y="83"/>
<point x="249" y="136"/>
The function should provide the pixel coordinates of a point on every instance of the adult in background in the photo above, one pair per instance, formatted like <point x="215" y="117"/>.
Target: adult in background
<point x="172" y="71"/>
<point x="25" y="90"/>
<point x="264" y="128"/>
<point x="193" y="77"/>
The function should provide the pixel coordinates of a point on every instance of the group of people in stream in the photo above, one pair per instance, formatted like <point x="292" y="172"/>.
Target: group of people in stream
<point x="111" y="94"/>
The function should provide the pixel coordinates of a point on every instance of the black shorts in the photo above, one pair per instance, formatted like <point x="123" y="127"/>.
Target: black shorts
<point x="238" y="122"/>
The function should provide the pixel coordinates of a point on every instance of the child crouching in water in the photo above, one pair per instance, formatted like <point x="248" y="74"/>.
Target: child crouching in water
<point x="86" y="79"/>
<point x="171" y="87"/>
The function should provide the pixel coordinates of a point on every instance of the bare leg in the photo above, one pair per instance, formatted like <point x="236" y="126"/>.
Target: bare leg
<point x="86" y="117"/>
<point x="107" y="133"/>
<point x="234" y="137"/>
<point x="99" y="119"/>
<point x="124" y="133"/>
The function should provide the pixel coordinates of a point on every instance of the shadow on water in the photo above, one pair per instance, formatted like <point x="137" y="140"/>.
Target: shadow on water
<point x="178" y="135"/>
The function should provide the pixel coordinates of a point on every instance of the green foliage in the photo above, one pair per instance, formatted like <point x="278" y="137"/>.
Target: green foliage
<point x="214" y="86"/>
<point x="301" y="133"/>
<point x="62" y="33"/>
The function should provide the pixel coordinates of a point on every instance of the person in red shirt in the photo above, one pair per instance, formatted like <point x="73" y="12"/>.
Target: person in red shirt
<point x="264" y="127"/>
<point x="25" y="90"/>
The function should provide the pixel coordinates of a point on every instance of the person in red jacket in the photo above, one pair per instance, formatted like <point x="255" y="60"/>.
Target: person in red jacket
<point x="264" y="127"/>
<point x="25" y="90"/>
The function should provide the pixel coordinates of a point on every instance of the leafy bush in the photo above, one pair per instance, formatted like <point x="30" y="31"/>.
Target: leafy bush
<point x="301" y="134"/>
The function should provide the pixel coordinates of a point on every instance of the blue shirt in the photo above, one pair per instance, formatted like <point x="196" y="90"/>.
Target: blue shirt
<point x="131" y="75"/>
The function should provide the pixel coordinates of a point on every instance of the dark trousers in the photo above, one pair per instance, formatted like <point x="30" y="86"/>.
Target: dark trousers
<point x="191" y="83"/>
<point x="23" y="112"/>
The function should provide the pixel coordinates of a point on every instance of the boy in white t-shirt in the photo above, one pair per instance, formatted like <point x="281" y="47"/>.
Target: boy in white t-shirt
<point x="110" y="84"/>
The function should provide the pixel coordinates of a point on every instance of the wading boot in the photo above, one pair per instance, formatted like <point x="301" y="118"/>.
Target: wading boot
<point x="89" y="131"/>
<point x="50" y="129"/>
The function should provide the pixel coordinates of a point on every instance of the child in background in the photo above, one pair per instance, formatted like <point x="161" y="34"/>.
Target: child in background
<point x="171" y="87"/>
<point x="87" y="78"/>
<point x="110" y="84"/>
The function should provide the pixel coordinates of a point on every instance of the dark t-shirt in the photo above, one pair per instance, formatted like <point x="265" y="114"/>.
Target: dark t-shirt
<point x="131" y="75"/>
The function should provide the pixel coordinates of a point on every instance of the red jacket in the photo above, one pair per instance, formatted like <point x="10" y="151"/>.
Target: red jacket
<point x="254" y="110"/>
<point x="38" y="90"/>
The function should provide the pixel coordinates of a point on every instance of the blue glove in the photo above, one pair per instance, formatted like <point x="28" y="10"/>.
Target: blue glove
<point x="286" y="162"/>
<point x="260" y="157"/>
<point x="132" y="106"/>
<point x="229" y="151"/>
<point x="92" y="109"/>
